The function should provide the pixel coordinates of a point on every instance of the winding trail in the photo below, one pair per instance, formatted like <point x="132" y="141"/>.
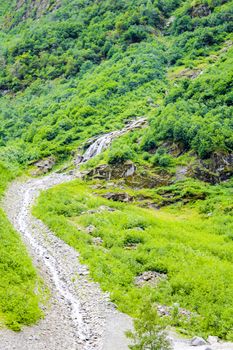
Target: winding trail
<point x="80" y="315"/>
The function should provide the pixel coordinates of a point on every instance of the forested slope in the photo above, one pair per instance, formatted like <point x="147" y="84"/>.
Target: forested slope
<point x="71" y="69"/>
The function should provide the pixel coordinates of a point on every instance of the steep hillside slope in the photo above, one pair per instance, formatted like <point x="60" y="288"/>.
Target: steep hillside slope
<point x="74" y="69"/>
<point x="85" y="67"/>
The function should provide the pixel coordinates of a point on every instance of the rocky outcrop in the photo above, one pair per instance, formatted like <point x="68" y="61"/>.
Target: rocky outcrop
<point x="108" y="172"/>
<point x="43" y="166"/>
<point x="101" y="209"/>
<point x="36" y="8"/>
<point x="200" y="10"/>
<point x="189" y="73"/>
<point x="119" y="197"/>
<point x="219" y="167"/>
<point x="130" y="175"/>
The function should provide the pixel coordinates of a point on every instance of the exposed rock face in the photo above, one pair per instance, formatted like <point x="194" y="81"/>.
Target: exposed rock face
<point x="119" y="197"/>
<point x="128" y="172"/>
<point x="148" y="180"/>
<point x="150" y="278"/>
<point x="189" y="73"/>
<point x="108" y="172"/>
<point x="36" y="8"/>
<point x="181" y="172"/>
<point x="214" y="170"/>
<point x="44" y="166"/>
<point x="201" y="10"/>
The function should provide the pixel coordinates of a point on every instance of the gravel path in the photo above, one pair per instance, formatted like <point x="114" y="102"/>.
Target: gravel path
<point x="79" y="315"/>
<point x="79" y="312"/>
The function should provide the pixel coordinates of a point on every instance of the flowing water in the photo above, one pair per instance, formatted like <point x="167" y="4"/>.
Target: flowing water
<point x="104" y="141"/>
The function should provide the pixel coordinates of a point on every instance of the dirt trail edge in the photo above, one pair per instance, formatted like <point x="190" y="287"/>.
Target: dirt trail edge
<point x="79" y="316"/>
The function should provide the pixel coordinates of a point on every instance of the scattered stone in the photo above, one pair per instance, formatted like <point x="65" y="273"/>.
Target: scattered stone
<point x="149" y="277"/>
<point x="164" y="310"/>
<point x="131" y="246"/>
<point x="96" y="187"/>
<point x="181" y="173"/>
<point x="110" y="184"/>
<point x="119" y="197"/>
<point x="138" y="228"/>
<point x="106" y="208"/>
<point x="97" y="240"/>
<point x="198" y="341"/>
<point x="212" y="339"/>
<point x="90" y="229"/>
<point x="131" y="169"/>
<point x="99" y="210"/>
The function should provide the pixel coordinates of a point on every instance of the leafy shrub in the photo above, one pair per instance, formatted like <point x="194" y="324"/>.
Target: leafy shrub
<point x="118" y="154"/>
<point x="164" y="160"/>
<point x="132" y="239"/>
<point x="149" y="330"/>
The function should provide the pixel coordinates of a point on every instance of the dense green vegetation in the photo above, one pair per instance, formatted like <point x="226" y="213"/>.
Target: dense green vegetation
<point x="18" y="279"/>
<point x="191" y="244"/>
<point x="72" y="69"/>
<point x="83" y="68"/>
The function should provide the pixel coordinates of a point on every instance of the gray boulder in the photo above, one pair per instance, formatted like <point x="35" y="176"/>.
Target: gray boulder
<point x="198" y="341"/>
<point x="90" y="229"/>
<point x="212" y="339"/>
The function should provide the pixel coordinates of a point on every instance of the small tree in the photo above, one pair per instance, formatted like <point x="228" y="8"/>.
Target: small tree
<point x="149" y="331"/>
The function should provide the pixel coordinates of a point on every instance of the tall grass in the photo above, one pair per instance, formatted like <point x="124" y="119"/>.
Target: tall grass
<point x="19" y="305"/>
<point x="191" y="247"/>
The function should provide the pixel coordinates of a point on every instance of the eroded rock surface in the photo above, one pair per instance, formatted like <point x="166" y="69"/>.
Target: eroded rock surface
<point x="219" y="167"/>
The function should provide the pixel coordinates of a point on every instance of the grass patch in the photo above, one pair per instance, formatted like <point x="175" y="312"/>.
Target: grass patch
<point x="19" y="304"/>
<point x="194" y="250"/>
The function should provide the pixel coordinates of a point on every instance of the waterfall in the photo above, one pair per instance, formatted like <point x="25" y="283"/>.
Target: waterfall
<point x="104" y="141"/>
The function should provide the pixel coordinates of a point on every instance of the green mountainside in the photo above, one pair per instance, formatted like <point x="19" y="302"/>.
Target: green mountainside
<point x="75" y="69"/>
